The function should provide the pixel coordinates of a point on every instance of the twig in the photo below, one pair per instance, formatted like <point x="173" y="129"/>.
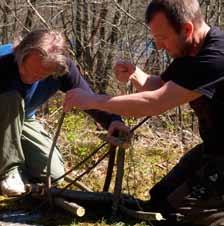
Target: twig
<point x="77" y="184"/>
<point x="38" y="14"/>
<point x="140" y="123"/>
<point x="124" y="11"/>
<point x="148" y="216"/>
<point x="17" y="19"/>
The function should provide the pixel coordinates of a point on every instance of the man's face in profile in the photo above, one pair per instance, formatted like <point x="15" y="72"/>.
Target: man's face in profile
<point x="34" y="69"/>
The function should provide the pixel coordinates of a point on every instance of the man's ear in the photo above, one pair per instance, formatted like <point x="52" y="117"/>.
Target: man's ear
<point x="188" y="29"/>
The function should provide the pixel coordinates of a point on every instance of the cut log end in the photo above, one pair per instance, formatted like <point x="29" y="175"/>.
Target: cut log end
<point x="70" y="206"/>
<point x="149" y="216"/>
<point x="80" y="212"/>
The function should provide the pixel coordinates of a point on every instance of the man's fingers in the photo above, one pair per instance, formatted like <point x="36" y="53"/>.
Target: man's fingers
<point x="118" y="126"/>
<point x="116" y="141"/>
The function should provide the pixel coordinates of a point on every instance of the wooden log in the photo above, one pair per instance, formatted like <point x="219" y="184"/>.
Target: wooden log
<point x="70" y="206"/>
<point x="77" y="196"/>
<point x="103" y="200"/>
<point x="97" y="198"/>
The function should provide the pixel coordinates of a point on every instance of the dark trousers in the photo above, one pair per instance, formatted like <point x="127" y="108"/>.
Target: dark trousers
<point x="23" y="142"/>
<point x="194" y="189"/>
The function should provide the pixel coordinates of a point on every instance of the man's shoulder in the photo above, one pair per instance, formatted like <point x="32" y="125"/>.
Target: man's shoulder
<point x="206" y="68"/>
<point x="7" y="59"/>
<point x="216" y="31"/>
<point x="214" y="40"/>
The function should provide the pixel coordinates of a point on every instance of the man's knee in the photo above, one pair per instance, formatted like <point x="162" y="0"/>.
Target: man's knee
<point x="193" y="156"/>
<point x="13" y="104"/>
<point x="57" y="170"/>
<point x="11" y="96"/>
<point x="37" y="170"/>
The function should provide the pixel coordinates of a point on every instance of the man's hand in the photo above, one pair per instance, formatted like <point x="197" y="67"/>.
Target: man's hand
<point x="123" y="70"/>
<point x="78" y="98"/>
<point x="124" y="134"/>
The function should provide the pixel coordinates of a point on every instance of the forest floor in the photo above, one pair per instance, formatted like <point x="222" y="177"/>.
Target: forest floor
<point x="155" y="148"/>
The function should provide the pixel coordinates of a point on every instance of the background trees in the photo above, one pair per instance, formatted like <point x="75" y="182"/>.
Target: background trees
<point x="98" y="31"/>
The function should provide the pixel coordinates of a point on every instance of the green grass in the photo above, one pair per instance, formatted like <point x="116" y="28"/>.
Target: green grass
<point x="155" y="149"/>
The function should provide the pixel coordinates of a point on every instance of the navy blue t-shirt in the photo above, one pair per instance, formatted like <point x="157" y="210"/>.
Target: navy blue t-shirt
<point x="205" y="73"/>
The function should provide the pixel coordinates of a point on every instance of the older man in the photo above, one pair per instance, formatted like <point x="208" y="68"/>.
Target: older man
<point x="195" y="186"/>
<point x="31" y="73"/>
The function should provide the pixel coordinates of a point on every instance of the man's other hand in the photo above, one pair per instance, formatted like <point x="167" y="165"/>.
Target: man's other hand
<point x="123" y="70"/>
<point x="123" y="137"/>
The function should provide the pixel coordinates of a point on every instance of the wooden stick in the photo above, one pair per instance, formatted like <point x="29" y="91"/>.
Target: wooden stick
<point x="78" y="184"/>
<point x="38" y="14"/>
<point x="110" y="167"/>
<point x="119" y="179"/>
<point x="70" y="206"/>
<point x="148" y="216"/>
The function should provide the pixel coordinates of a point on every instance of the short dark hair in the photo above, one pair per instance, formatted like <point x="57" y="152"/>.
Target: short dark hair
<point x="176" y="11"/>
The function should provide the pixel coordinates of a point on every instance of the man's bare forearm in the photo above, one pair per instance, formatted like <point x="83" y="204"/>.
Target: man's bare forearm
<point x="126" y="105"/>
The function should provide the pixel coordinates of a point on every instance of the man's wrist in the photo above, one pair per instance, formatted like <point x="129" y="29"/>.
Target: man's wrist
<point x="116" y="118"/>
<point x="98" y="101"/>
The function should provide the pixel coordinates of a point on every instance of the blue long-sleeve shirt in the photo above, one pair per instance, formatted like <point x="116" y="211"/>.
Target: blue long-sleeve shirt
<point x="37" y="93"/>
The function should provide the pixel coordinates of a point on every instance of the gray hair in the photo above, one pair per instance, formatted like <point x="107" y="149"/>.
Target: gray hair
<point x="51" y="45"/>
<point x="176" y="11"/>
